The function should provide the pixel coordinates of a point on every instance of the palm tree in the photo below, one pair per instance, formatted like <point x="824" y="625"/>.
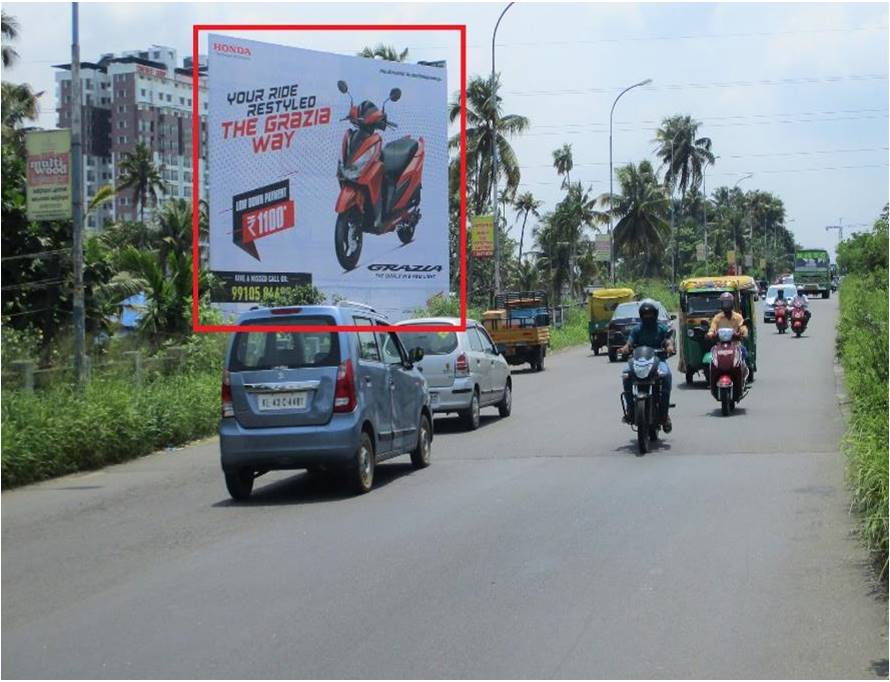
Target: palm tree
<point x="641" y="209"/>
<point x="690" y="153"/>
<point x="528" y="276"/>
<point x="175" y="229"/>
<point x="386" y="52"/>
<point x="139" y="173"/>
<point x="487" y="127"/>
<point x="9" y="28"/>
<point x="563" y="163"/>
<point x="526" y="204"/>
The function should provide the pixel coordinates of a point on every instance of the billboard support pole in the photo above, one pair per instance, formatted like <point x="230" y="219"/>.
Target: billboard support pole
<point x="77" y="202"/>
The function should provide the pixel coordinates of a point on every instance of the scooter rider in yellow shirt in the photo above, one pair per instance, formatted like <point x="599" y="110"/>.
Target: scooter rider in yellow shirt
<point x="728" y="318"/>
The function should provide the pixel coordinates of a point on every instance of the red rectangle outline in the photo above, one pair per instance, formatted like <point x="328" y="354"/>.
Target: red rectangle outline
<point x="197" y="327"/>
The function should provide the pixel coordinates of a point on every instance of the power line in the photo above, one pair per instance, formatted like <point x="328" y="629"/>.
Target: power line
<point x="719" y="118"/>
<point x="797" y="80"/>
<point x="39" y="284"/>
<point x="37" y="254"/>
<point x="713" y="174"/>
<point x="742" y="124"/>
<point x="740" y="156"/>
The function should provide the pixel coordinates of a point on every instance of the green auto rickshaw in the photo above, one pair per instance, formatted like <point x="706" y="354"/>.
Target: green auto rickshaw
<point x="601" y="304"/>
<point x="699" y="303"/>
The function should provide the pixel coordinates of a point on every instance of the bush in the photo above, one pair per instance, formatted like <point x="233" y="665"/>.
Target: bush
<point x="59" y="431"/>
<point x="573" y="332"/>
<point x="862" y="343"/>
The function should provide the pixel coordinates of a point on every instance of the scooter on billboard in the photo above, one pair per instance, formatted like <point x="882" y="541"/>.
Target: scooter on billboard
<point x="379" y="184"/>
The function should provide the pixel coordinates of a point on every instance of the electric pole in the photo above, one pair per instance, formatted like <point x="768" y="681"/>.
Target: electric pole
<point x="77" y="203"/>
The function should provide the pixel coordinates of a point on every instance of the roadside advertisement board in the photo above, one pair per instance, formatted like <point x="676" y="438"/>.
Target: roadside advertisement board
<point x="48" y="181"/>
<point x="730" y="257"/>
<point x="329" y="170"/>
<point x="700" y="252"/>
<point x="483" y="235"/>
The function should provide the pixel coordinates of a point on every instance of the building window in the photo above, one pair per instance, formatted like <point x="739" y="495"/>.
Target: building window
<point x="89" y="85"/>
<point x="121" y="124"/>
<point x="143" y="92"/>
<point x="169" y="97"/>
<point x="122" y="139"/>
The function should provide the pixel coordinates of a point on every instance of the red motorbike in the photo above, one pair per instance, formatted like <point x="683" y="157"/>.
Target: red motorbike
<point x="798" y="319"/>
<point x="781" y="313"/>
<point x="729" y="372"/>
<point x="379" y="184"/>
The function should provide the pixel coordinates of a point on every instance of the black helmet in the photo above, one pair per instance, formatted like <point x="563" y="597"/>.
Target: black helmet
<point x="727" y="302"/>
<point x="648" y="311"/>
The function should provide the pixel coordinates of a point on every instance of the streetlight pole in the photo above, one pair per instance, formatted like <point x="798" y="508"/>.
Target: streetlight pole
<point x="611" y="178"/>
<point x="704" y="209"/>
<point x="494" y="159"/>
<point x="750" y="222"/>
<point x="79" y="315"/>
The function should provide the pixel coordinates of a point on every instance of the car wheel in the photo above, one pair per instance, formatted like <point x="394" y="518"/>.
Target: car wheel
<point x="505" y="407"/>
<point x="362" y="471"/>
<point x="239" y="483"/>
<point x="420" y="455"/>
<point x="471" y="414"/>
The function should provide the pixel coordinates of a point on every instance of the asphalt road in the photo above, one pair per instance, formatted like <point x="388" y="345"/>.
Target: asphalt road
<point x="539" y="546"/>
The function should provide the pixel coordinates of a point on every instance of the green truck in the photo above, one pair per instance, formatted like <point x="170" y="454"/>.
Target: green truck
<point x="812" y="272"/>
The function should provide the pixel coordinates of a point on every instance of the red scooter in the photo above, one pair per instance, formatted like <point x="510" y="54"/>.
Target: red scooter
<point x="379" y="184"/>
<point x="798" y="319"/>
<point x="729" y="373"/>
<point x="781" y="313"/>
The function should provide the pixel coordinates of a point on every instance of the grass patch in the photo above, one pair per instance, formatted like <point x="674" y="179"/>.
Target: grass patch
<point x="862" y="343"/>
<point x="573" y="331"/>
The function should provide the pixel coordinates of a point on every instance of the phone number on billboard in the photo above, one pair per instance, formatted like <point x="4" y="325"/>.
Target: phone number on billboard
<point x="251" y="294"/>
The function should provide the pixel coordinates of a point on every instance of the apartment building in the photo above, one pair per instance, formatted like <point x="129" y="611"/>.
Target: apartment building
<point x="136" y="97"/>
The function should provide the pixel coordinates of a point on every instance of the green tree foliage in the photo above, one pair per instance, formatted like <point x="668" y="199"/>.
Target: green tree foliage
<point x="385" y="52"/>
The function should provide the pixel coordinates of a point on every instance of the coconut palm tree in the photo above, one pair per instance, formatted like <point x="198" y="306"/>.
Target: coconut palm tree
<point x="140" y="174"/>
<point x="528" y="276"/>
<point x="525" y="204"/>
<point x="563" y="163"/>
<point x="9" y="28"/>
<point x="641" y="210"/>
<point x="487" y="127"/>
<point x="690" y="153"/>
<point x="175" y="229"/>
<point x="386" y="52"/>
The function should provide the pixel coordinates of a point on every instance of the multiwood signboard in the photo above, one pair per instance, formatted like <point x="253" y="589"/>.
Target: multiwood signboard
<point x="48" y="180"/>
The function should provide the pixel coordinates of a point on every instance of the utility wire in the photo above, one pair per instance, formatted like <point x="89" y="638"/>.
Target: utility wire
<point x="797" y="80"/>
<point x="38" y="254"/>
<point x="40" y="284"/>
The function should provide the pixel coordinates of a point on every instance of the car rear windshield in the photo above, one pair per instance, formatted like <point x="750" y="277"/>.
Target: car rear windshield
<point x="627" y="310"/>
<point x="703" y="304"/>
<point x="267" y="350"/>
<point x="433" y="343"/>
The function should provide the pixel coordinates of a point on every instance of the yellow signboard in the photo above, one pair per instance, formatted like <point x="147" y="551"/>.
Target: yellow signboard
<point x="483" y="235"/>
<point x="730" y="257"/>
<point x="48" y="179"/>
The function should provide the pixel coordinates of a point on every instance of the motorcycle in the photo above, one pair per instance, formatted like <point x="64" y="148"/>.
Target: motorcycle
<point x="729" y="373"/>
<point x="644" y="414"/>
<point x="379" y="184"/>
<point x="781" y="313"/>
<point x="798" y="319"/>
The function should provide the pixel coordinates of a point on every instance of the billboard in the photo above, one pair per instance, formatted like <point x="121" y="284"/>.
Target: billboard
<point x="602" y="248"/>
<point x="48" y="180"/>
<point x="326" y="169"/>
<point x="483" y="235"/>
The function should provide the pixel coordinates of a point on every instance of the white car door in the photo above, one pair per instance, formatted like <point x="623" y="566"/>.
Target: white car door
<point x="500" y="370"/>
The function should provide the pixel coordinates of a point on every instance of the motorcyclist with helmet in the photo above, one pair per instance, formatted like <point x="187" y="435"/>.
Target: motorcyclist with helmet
<point x="729" y="318"/>
<point x="800" y="300"/>
<point x="650" y="332"/>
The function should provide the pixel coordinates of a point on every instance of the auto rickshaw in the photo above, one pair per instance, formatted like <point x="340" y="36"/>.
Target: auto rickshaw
<point x="601" y="304"/>
<point x="699" y="303"/>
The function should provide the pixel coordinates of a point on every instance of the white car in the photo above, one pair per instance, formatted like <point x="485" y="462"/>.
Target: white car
<point x="464" y="370"/>
<point x="789" y="290"/>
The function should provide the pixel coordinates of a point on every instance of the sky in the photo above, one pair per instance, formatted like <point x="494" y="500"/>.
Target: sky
<point x="795" y="94"/>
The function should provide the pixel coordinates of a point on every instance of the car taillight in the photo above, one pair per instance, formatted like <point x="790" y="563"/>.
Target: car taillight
<point x="344" y="392"/>
<point x="228" y="410"/>
<point x="462" y="366"/>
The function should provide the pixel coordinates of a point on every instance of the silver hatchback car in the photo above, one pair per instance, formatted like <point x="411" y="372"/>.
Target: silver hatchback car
<point x="464" y="370"/>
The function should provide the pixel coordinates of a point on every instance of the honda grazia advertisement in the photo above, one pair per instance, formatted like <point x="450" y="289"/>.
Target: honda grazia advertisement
<point x="329" y="170"/>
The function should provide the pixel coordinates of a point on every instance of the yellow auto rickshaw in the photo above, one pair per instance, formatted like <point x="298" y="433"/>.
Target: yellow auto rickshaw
<point x="601" y="304"/>
<point x="699" y="303"/>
